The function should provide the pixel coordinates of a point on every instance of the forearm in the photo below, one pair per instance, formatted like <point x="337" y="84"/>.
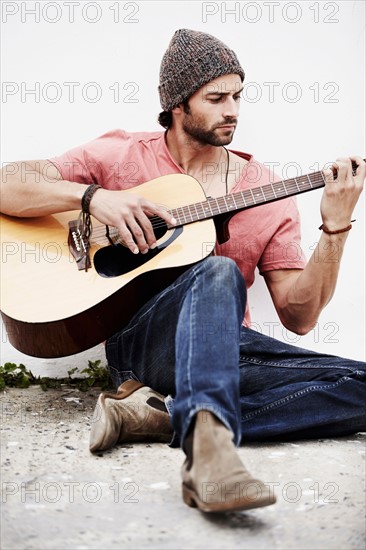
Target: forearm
<point x="299" y="297"/>
<point x="36" y="188"/>
<point x="313" y="288"/>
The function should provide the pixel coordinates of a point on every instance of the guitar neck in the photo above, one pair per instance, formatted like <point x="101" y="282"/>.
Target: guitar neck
<point x="249" y="198"/>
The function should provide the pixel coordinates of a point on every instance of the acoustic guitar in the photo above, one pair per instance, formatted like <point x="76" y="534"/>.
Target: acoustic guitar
<point x="54" y="303"/>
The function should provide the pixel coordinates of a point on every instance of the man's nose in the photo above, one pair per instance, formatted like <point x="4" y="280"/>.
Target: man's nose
<point x="231" y="108"/>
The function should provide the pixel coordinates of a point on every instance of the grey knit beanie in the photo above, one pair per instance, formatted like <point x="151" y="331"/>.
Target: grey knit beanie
<point x="193" y="59"/>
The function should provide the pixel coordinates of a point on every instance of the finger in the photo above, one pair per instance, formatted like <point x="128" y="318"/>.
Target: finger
<point x="328" y="175"/>
<point x="147" y="229"/>
<point x="144" y="226"/>
<point x="153" y="209"/>
<point x="127" y="238"/>
<point x="344" y="170"/>
<point x="360" y="166"/>
<point x="142" y="232"/>
<point x="339" y="169"/>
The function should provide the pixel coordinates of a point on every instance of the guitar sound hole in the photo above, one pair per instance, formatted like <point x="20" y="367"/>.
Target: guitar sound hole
<point x="112" y="261"/>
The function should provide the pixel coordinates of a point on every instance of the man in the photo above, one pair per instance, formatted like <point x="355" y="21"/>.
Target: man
<point x="186" y="351"/>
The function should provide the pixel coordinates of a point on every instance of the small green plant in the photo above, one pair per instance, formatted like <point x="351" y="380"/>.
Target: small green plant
<point x="13" y="375"/>
<point x="98" y="376"/>
<point x="18" y="376"/>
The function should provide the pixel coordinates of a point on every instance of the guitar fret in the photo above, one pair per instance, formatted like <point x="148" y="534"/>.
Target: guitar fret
<point x="187" y="208"/>
<point x="311" y="185"/>
<point x="228" y="206"/>
<point x="248" y="197"/>
<point x="209" y="205"/>
<point x="268" y="192"/>
<point x="273" y="190"/>
<point x="230" y="202"/>
<point x="216" y="206"/>
<point x="197" y="216"/>
<point x="200" y="210"/>
<point x="303" y="182"/>
<point x="181" y="216"/>
<point x="251" y="192"/>
<point x="192" y="213"/>
<point x="257" y="189"/>
<point x="282" y="192"/>
<point x="234" y="199"/>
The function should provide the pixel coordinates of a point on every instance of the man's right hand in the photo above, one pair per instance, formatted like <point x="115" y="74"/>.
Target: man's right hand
<point x="130" y="214"/>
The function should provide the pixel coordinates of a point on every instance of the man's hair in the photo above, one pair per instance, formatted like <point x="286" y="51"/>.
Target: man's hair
<point x="165" y="118"/>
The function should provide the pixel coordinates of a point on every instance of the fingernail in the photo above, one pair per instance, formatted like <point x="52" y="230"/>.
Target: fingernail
<point x="135" y="250"/>
<point x="153" y="246"/>
<point x="173" y="221"/>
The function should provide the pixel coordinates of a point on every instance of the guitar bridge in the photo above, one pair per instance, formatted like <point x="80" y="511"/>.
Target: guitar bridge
<point x="78" y="247"/>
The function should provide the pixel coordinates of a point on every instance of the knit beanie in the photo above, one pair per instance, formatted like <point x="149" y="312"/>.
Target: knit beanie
<point x="193" y="59"/>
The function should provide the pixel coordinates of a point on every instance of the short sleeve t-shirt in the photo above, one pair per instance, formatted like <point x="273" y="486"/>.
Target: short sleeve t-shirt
<point x="266" y="237"/>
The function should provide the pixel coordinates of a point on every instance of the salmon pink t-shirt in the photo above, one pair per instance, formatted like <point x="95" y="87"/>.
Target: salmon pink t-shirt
<point x="266" y="237"/>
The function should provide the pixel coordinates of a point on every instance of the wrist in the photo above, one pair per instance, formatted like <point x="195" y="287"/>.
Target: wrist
<point x="333" y="230"/>
<point x="87" y="197"/>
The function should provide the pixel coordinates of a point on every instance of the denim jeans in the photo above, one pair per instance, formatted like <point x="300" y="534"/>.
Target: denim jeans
<point x="188" y="342"/>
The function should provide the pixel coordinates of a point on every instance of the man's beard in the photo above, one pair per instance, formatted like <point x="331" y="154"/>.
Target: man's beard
<point x="193" y="126"/>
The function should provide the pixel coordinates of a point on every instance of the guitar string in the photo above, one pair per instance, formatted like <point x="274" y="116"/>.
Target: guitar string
<point x="156" y="222"/>
<point x="292" y="185"/>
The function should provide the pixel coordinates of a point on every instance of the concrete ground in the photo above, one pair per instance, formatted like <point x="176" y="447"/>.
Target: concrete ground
<point x="56" y="495"/>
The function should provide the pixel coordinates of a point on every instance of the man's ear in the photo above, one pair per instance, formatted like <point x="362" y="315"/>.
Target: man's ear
<point x="178" y="109"/>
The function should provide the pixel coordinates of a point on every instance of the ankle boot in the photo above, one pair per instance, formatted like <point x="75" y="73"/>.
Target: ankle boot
<point x="134" y="413"/>
<point x="214" y="478"/>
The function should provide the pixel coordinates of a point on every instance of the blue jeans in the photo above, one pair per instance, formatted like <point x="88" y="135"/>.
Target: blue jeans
<point x="188" y="342"/>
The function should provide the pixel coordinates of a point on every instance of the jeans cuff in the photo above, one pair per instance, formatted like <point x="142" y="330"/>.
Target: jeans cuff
<point x="169" y="403"/>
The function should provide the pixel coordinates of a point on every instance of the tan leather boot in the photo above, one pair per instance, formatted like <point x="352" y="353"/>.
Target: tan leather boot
<point x="214" y="478"/>
<point x="134" y="413"/>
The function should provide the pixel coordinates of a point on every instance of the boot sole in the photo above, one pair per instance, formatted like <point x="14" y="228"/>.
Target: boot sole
<point x="191" y="498"/>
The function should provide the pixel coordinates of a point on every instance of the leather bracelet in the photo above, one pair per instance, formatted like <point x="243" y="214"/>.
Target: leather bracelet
<point x="84" y="222"/>
<point x="335" y="232"/>
<point x="87" y="197"/>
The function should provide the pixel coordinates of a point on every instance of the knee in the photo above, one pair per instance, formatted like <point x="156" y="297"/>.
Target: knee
<point x="226" y="275"/>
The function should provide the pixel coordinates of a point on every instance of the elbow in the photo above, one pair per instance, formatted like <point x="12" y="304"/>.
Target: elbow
<point x="303" y="329"/>
<point x="298" y="326"/>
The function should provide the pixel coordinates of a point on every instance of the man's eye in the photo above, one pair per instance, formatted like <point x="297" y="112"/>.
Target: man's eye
<point x="215" y="99"/>
<point x="237" y="98"/>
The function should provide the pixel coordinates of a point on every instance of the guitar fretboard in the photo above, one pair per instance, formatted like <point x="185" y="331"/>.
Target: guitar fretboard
<point x="248" y="198"/>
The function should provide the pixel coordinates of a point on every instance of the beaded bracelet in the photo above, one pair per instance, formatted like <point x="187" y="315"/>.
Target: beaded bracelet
<point x="343" y="230"/>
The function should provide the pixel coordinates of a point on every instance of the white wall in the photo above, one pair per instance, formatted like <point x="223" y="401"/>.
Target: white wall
<point x="303" y="107"/>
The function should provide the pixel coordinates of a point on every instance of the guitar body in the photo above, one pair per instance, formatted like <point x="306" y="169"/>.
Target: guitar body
<point x="51" y="308"/>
